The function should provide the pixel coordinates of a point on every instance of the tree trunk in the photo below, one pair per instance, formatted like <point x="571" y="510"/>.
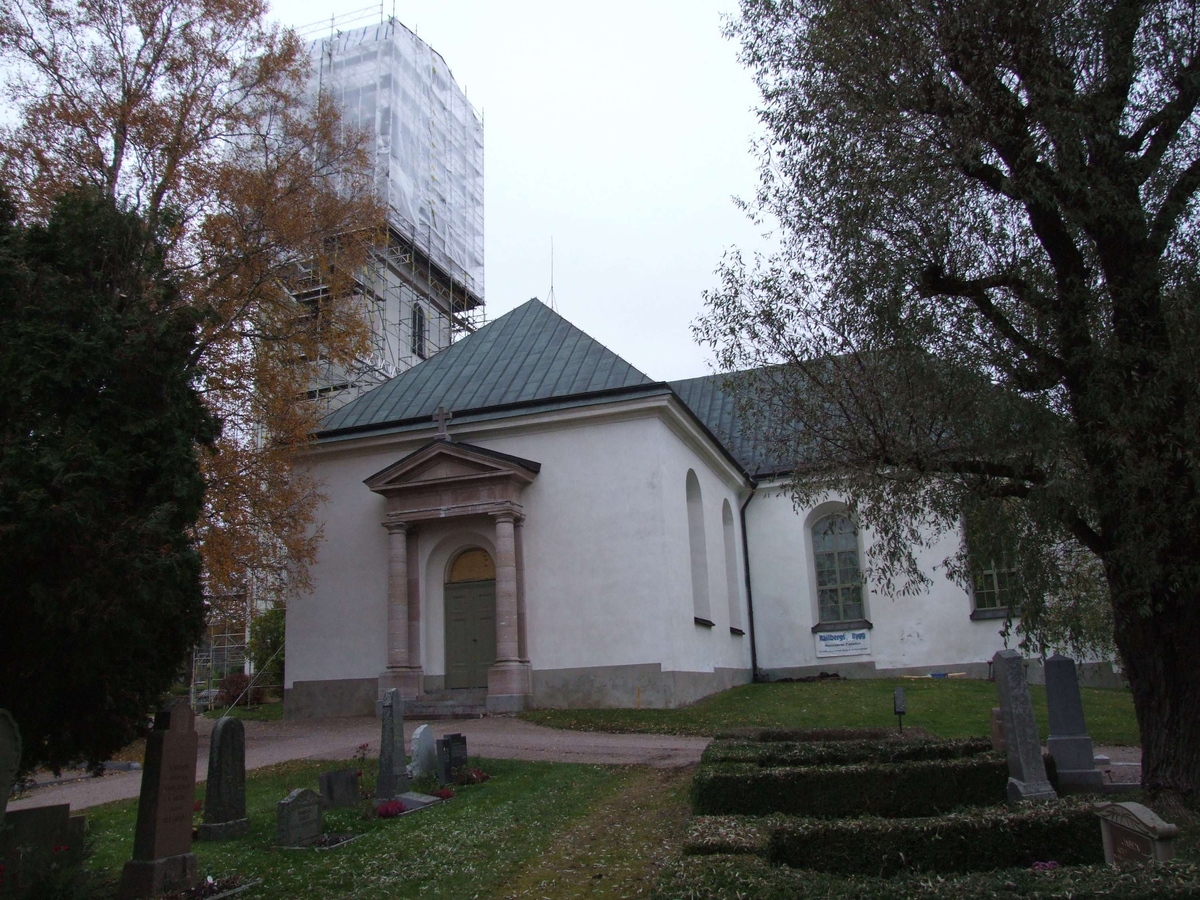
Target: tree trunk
<point x="1161" y="653"/>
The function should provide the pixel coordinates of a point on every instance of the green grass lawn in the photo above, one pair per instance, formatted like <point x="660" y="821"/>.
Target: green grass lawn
<point x="467" y="847"/>
<point x="264" y="712"/>
<point x="949" y="708"/>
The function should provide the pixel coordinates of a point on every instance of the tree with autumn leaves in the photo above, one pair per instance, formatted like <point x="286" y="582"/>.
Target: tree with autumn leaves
<point x="197" y="116"/>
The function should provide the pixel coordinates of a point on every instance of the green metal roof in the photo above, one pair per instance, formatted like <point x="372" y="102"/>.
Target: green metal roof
<point x="528" y="357"/>
<point x="712" y="399"/>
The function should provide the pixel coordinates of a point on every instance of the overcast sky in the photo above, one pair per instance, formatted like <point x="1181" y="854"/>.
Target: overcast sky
<point x="623" y="130"/>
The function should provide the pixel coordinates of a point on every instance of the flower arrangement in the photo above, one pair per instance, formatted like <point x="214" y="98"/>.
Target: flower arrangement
<point x="389" y="809"/>
<point x="1048" y="866"/>
<point x="443" y="793"/>
<point x="465" y="775"/>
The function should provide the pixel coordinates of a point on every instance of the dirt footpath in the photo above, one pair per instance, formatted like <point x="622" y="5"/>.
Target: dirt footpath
<point x="498" y="737"/>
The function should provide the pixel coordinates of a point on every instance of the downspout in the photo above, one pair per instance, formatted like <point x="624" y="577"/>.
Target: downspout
<point x="749" y="596"/>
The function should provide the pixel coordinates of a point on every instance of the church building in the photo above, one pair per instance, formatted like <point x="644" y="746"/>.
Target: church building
<point x="526" y="520"/>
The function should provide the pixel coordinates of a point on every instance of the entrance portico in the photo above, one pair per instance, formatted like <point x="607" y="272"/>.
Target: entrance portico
<point x="441" y="481"/>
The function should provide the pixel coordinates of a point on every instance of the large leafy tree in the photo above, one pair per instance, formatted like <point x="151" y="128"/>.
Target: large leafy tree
<point x="101" y="430"/>
<point x="198" y="115"/>
<point x="984" y="301"/>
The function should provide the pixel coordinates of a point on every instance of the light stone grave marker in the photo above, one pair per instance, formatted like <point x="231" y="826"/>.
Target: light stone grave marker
<point x="225" y="791"/>
<point x="162" y="858"/>
<point x="1069" y="743"/>
<point x="1134" y="834"/>
<point x="424" y="752"/>
<point x="1026" y="770"/>
<point x="339" y="788"/>
<point x="298" y="819"/>
<point x="392" y="780"/>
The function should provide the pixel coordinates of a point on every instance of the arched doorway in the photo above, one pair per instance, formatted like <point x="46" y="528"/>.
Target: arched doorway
<point x="470" y="594"/>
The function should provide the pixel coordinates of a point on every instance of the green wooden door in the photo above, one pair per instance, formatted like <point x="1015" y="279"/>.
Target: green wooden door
<point x="470" y="633"/>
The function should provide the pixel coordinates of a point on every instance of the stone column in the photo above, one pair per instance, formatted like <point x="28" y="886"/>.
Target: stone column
<point x="522" y="641"/>
<point x="399" y="674"/>
<point x="414" y="601"/>
<point x="508" y="678"/>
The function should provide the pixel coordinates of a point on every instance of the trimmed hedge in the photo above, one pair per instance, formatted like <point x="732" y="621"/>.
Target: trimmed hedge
<point x="802" y="735"/>
<point x="731" y="834"/>
<point x="722" y="877"/>
<point x="976" y="841"/>
<point x="883" y="789"/>
<point x="840" y="753"/>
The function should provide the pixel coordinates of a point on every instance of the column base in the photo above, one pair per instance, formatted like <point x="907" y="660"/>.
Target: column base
<point x="408" y="680"/>
<point x="509" y="686"/>
<point x="148" y="877"/>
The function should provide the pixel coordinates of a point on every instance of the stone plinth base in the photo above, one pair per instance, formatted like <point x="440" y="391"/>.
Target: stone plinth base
<point x="510" y="683"/>
<point x="147" y="877"/>
<point x="407" y="681"/>
<point x="1076" y="762"/>
<point x="1029" y="791"/>
<point x="224" y="831"/>
<point x="507" y="703"/>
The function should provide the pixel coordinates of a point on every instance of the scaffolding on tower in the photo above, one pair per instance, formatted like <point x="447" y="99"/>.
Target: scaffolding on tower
<point x="423" y="288"/>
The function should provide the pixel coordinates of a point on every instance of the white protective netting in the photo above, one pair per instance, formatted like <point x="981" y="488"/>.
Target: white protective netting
<point x="428" y="140"/>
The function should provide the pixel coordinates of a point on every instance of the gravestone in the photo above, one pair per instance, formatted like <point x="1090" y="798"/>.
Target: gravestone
<point x="225" y="792"/>
<point x="1026" y="770"/>
<point x="392" y="779"/>
<point x="458" y="750"/>
<point x="451" y="753"/>
<point x="997" y="725"/>
<point x="32" y="836"/>
<point x="1069" y="743"/>
<point x="162" y="844"/>
<point x="899" y="706"/>
<point x="424" y="752"/>
<point x="1134" y="834"/>
<point x="339" y="788"/>
<point x="298" y="819"/>
<point x="10" y="757"/>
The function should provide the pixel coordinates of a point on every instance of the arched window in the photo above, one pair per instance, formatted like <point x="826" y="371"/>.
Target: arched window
<point x="472" y="565"/>
<point x="839" y="578"/>
<point x="418" y="330"/>
<point x="731" y="568"/>
<point x="696" y="542"/>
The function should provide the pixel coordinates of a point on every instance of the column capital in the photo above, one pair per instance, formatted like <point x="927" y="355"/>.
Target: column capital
<point x="506" y="516"/>
<point x="394" y="527"/>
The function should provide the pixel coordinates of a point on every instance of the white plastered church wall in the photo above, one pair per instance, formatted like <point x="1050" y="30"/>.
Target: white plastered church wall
<point x="607" y="582"/>
<point x="700" y="648"/>
<point x="926" y="631"/>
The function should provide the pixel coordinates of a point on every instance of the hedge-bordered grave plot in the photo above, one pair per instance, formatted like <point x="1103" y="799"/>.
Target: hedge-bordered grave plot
<point x="877" y="806"/>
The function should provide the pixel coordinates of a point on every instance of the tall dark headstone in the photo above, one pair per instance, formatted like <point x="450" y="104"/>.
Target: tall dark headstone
<point x="1069" y="743"/>
<point x="162" y="845"/>
<point x="225" y="791"/>
<point x="392" y="780"/>
<point x="339" y="788"/>
<point x="1026" y="770"/>
<point x="10" y="757"/>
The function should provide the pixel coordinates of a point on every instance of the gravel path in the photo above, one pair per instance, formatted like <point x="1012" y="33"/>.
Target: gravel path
<point x="498" y="737"/>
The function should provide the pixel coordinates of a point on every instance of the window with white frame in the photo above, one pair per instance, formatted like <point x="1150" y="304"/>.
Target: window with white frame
<point x="995" y="585"/>
<point x="839" y="577"/>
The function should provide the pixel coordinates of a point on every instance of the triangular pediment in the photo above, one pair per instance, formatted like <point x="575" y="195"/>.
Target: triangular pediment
<point x="447" y="462"/>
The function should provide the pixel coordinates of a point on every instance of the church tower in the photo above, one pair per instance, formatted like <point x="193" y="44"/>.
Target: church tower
<point x="424" y="289"/>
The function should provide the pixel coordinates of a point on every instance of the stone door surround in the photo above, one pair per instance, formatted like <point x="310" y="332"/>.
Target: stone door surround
<point x="442" y="480"/>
